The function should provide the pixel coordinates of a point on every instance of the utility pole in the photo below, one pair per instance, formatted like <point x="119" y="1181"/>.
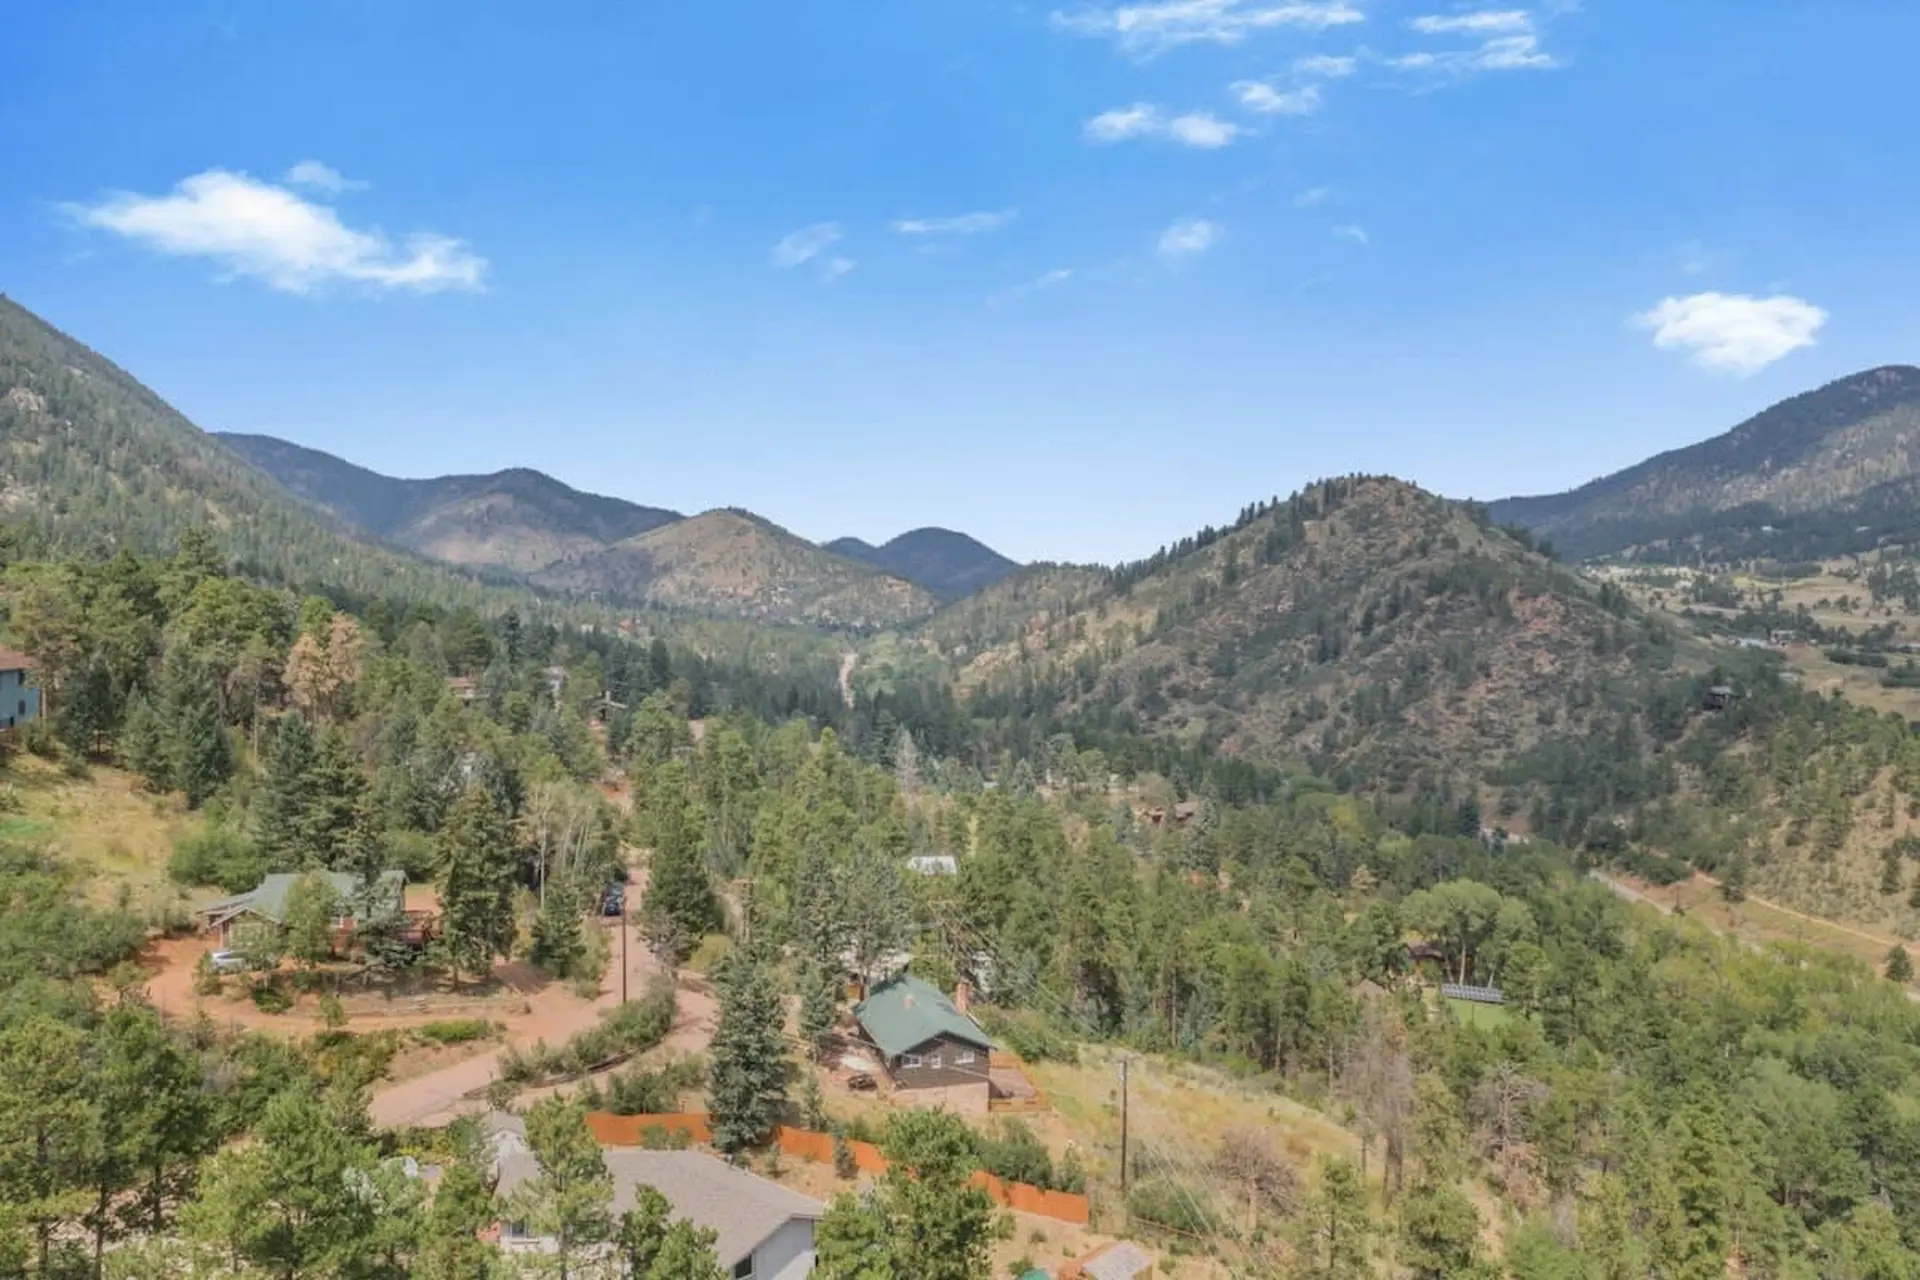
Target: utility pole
<point x="1124" y="1064"/>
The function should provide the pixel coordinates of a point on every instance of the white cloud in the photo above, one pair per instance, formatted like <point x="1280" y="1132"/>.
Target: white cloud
<point x="1484" y="22"/>
<point x="1144" y="120"/>
<point x="965" y="224"/>
<point x="803" y="246"/>
<point x="1504" y="53"/>
<point x="1045" y="280"/>
<point x="1733" y="333"/>
<point x="1312" y="196"/>
<point x="834" y="268"/>
<point x="1146" y="29"/>
<point x="1350" y="232"/>
<point x="323" y="178"/>
<point x="1187" y="237"/>
<point x="1258" y="95"/>
<point x="254" y="228"/>
<point x="1199" y="129"/>
<point x="1326" y="66"/>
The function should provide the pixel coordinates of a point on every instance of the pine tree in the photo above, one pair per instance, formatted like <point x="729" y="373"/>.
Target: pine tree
<point x="571" y="1200"/>
<point x="143" y="745"/>
<point x="285" y="803"/>
<point x="747" y="1082"/>
<point x="335" y="827"/>
<point x="200" y="757"/>
<point x="1331" y="1233"/>
<point x="820" y="993"/>
<point x="679" y="908"/>
<point x="558" y="945"/>
<point x="308" y="919"/>
<point x="477" y="873"/>
<point x="687" y="1254"/>
<point x="643" y="1230"/>
<point x="1899" y="965"/>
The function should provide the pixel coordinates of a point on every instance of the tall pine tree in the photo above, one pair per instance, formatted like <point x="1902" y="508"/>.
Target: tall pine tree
<point x="286" y="798"/>
<point x="747" y="1083"/>
<point x="478" y="863"/>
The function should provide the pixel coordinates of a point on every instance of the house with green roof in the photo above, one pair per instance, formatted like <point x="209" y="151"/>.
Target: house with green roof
<point x="925" y="1040"/>
<point x="267" y="902"/>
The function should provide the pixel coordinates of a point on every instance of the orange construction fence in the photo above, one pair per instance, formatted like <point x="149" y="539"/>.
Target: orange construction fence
<point x="805" y="1144"/>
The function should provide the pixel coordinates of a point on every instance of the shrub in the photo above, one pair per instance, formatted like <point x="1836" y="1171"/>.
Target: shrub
<point x="1011" y="1151"/>
<point x="1162" y="1202"/>
<point x="623" y="1030"/>
<point x="707" y="956"/>
<point x="206" y="978"/>
<point x="268" y="998"/>
<point x="456" y="1030"/>
<point x="1028" y="1036"/>
<point x="656" y="1137"/>
<point x="845" y="1166"/>
<point x="217" y="856"/>
<point x="640" y="1092"/>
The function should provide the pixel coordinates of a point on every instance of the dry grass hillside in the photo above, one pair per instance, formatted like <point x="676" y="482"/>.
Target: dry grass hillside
<point x="733" y="563"/>
<point x="1364" y="625"/>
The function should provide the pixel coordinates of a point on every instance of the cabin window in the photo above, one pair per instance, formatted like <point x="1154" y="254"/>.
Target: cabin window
<point x="743" y="1269"/>
<point x="909" y="1062"/>
<point x="963" y="1058"/>
<point x="23" y="706"/>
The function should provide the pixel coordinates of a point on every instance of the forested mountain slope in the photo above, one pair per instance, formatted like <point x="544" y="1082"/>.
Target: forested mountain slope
<point x="1824" y="473"/>
<point x="949" y="564"/>
<point x="1376" y="631"/>
<point x="92" y="460"/>
<point x="517" y="519"/>
<point x="731" y="562"/>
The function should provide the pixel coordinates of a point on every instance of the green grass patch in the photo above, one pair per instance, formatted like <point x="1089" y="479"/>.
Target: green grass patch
<point x="1471" y="1013"/>
<point x="25" y="828"/>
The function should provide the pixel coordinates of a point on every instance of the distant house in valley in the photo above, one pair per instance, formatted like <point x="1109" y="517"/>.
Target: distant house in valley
<point x="929" y="1044"/>
<point x="267" y="903"/>
<point x="762" y="1230"/>
<point x="462" y="688"/>
<point x="19" y="701"/>
<point x="934" y="864"/>
<point x="1720" y="697"/>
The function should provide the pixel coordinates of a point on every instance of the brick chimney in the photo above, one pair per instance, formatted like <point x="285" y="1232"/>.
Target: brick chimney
<point x="963" y="996"/>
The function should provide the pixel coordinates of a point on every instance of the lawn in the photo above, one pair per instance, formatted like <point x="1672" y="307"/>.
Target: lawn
<point x="1471" y="1013"/>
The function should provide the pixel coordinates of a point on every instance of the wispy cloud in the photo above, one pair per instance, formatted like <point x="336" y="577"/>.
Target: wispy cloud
<point x="1261" y="97"/>
<point x="1484" y="22"/>
<point x="1509" y="40"/>
<point x="271" y="234"/>
<point x="964" y="224"/>
<point x="324" y="178"/>
<point x="1326" y="66"/>
<point x="1187" y="237"/>
<point x="1312" y="196"/>
<point x="1147" y="29"/>
<point x="797" y="248"/>
<point x="1347" y="231"/>
<point x="1043" y="281"/>
<point x="1733" y="333"/>
<point x="1144" y="120"/>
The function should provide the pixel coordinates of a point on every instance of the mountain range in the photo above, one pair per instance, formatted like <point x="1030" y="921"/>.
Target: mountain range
<point x="1830" y="472"/>
<point x="725" y="561"/>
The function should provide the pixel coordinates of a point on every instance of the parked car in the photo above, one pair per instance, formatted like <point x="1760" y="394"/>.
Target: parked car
<point x="613" y="902"/>
<point x="228" y="962"/>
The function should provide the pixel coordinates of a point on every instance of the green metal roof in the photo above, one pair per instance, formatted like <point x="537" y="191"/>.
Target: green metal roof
<point x="904" y="1013"/>
<point x="269" y="899"/>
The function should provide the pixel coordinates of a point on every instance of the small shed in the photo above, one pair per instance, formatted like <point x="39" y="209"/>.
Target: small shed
<point x="1720" y="697"/>
<point x="19" y="697"/>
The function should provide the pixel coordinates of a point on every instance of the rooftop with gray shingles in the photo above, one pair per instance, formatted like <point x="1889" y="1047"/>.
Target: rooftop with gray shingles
<point x="904" y="1013"/>
<point x="1121" y="1261"/>
<point x="742" y="1208"/>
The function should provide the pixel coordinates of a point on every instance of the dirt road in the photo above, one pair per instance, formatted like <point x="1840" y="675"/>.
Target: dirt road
<point x="555" y="1014"/>
<point x="848" y="661"/>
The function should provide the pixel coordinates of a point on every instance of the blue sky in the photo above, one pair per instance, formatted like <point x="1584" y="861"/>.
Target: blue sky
<point x="1075" y="279"/>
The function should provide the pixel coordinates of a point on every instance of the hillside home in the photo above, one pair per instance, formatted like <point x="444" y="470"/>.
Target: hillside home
<point x="19" y="700"/>
<point x="268" y="903"/>
<point x="763" y="1230"/>
<point x="930" y="1045"/>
